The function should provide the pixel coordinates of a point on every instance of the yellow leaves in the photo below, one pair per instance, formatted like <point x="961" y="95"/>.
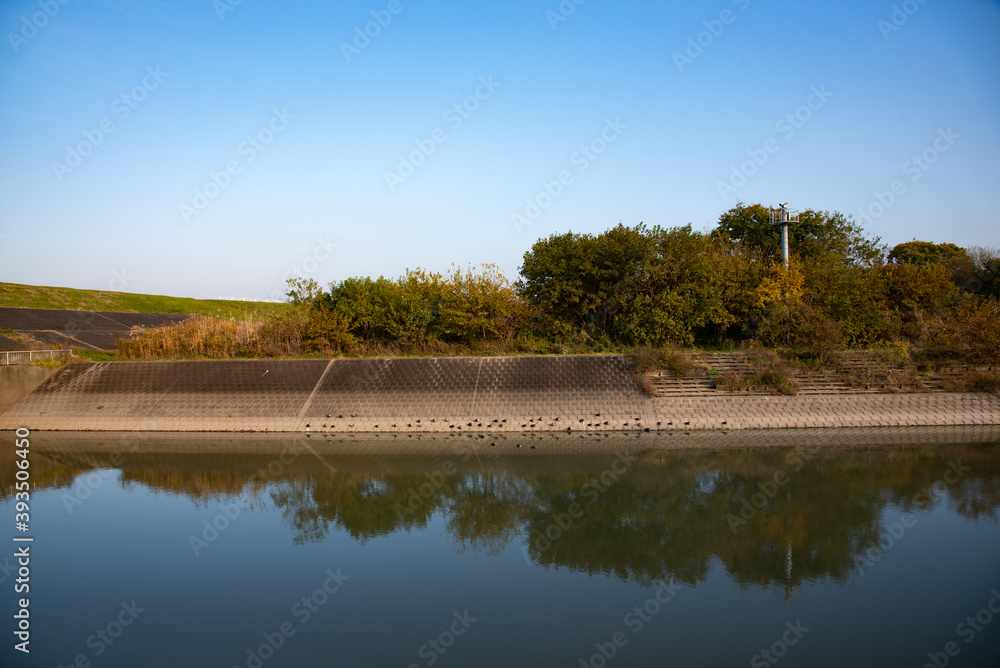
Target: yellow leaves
<point x="781" y="285"/>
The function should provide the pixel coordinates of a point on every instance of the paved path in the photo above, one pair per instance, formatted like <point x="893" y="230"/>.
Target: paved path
<point x="90" y="330"/>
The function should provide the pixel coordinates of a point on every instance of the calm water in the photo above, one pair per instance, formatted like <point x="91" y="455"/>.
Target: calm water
<point x="617" y="551"/>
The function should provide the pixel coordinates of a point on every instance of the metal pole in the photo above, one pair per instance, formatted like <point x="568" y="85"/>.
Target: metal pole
<point x="784" y="240"/>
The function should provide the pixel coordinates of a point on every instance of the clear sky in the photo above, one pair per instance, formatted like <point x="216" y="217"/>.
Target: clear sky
<point x="207" y="149"/>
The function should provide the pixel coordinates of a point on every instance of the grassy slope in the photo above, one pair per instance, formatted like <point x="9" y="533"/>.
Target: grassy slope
<point x="31" y="296"/>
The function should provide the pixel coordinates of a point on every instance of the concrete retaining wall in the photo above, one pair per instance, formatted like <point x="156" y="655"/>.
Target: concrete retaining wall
<point x="439" y="395"/>
<point x="18" y="381"/>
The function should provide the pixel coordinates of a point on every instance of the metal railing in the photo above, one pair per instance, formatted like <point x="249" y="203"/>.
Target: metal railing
<point x="26" y="356"/>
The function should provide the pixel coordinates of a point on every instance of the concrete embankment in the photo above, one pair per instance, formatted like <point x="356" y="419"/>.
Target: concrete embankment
<point x="18" y="381"/>
<point x="449" y="395"/>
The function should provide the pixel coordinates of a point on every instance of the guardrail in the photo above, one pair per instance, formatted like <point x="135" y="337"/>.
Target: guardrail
<point x="26" y="356"/>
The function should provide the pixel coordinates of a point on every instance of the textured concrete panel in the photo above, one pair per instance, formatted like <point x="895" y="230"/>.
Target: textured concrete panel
<point x="397" y="397"/>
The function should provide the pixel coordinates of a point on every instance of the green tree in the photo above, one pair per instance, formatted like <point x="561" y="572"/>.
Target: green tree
<point x="816" y="233"/>
<point x="925" y="252"/>
<point x="479" y="305"/>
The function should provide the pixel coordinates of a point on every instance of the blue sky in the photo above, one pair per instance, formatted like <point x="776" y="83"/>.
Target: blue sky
<point x="211" y="149"/>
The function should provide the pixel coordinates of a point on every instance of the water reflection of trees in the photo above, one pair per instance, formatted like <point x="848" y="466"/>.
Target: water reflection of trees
<point x="665" y="518"/>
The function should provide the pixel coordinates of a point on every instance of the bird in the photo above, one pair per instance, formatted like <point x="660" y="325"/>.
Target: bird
<point x="532" y="447"/>
<point x="581" y="419"/>
<point x="555" y="419"/>
<point x="308" y="425"/>
<point x="687" y="423"/>
<point x="646" y="429"/>
<point x="725" y="422"/>
<point x="493" y="444"/>
<point x="605" y="422"/>
<point x="328" y="415"/>
<point x="670" y="423"/>
<point x="519" y="445"/>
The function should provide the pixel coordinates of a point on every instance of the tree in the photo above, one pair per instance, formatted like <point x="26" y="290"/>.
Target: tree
<point x="577" y="278"/>
<point x="816" y="233"/>
<point x="302" y="291"/>
<point x="479" y="305"/>
<point x="925" y="252"/>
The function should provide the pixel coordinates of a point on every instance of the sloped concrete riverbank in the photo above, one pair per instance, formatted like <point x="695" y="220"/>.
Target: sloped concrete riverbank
<point x="439" y="395"/>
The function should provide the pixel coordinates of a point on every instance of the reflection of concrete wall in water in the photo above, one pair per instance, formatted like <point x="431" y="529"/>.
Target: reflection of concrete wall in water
<point x="662" y="517"/>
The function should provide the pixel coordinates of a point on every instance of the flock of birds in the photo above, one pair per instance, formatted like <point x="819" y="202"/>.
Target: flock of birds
<point x="532" y="423"/>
